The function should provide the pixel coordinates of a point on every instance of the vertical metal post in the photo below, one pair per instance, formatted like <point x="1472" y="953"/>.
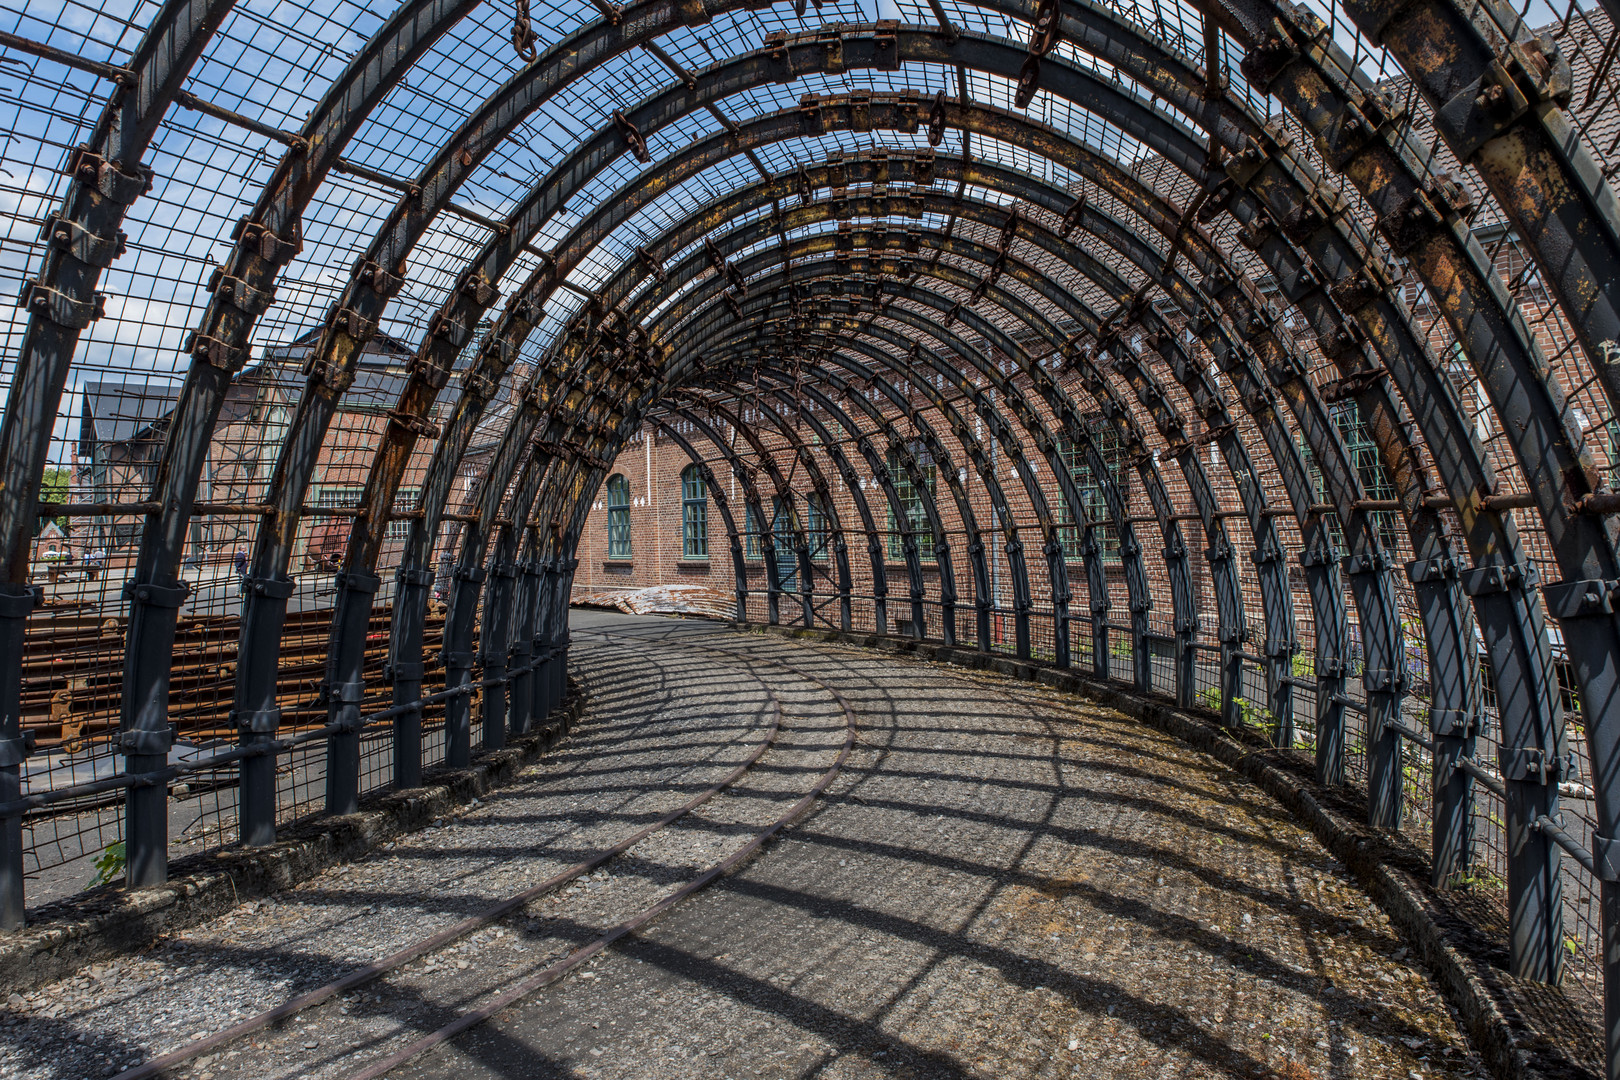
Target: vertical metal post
<point x="1186" y="663"/>
<point x="1320" y="562"/>
<point x="1279" y="691"/>
<point x="411" y="586"/>
<point x="1585" y="611"/>
<point x="257" y="714"/>
<point x="346" y="689"/>
<point x="739" y="577"/>
<point x="880" y="585"/>
<point x="1532" y="755"/>
<point x="846" y="613"/>
<point x="1454" y="714"/>
<point x="773" y="579"/>
<point x="1455" y="732"/>
<point x="1142" y="660"/>
<point x="1231" y="676"/>
<point x="541" y="703"/>
<point x="982" y="592"/>
<point x="492" y="645"/>
<point x="1058" y="574"/>
<point x="520" y="702"/>
<point x="147" y="736"/>
<point x="806" y="595"/>
<point x="1020" y="582"/>
<point x="1381" y="680"/>
<point x="458" y="664"/>
<point x="560" y="633"/>
<point x="919" y="618"/>
<point x="16" y="601"/>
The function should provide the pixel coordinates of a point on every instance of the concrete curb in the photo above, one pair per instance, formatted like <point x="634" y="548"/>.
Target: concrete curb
<point x="1462" y="960"/>
<point x="64" y="936"/>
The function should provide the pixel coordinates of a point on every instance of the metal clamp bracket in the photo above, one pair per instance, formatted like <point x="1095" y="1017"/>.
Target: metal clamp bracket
<point x="1531" y="763"/>
<point x="1319" y="555"/>
<point x="414" y="575"/>
<point x="145" y="741"/>
<point x="1489" y="580"/>
<point x="273" y="588"/>
<point x="1370" y="561"/>
<point x="163" y="596"/>
<point x="346" y="693"/>
<point x="1381" y="681"/>
<point x="1580" y="599"/>
<point x="261" y="240"/>
<point x="239" y="294"/>
<point x="216" y="352"/>
<point x="358" y="581"/>
<point x="351" y="322"/>
<point x="411" y="672"/>
<point x="258" y="722"/>
<point x="19" y="605"/>
<point x="15" y="751"/>
<point x="419" y="426"/>
<point x="89" y="167"/>
<point x="67" y="235"/>
<point x="40" y="299"/>
<point x="1453" y="723"/>
<point x="1439" y="568"/>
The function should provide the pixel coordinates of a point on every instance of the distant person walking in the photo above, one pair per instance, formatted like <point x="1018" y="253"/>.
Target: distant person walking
<point x="241" y="570"/>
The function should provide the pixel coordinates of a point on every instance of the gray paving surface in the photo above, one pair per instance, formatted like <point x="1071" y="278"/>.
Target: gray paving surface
<point x="1003" y="882"/>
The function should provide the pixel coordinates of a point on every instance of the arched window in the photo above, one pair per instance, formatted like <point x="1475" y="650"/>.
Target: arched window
<point x="618" y="510"/>
<point x="694" y="514"/>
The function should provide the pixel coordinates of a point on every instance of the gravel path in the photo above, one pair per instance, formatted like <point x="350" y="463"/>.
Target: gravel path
<point x="1002" y="882"/>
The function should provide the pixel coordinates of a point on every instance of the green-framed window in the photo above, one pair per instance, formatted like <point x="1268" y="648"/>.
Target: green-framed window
<point x="694" y="514"/>
<point x="618" y="517"/>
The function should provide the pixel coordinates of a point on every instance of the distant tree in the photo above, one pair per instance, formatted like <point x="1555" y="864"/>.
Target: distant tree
<point x="53" y="489"/>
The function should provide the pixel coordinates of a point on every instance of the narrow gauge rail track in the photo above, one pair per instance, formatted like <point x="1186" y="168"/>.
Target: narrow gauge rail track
<point x="560" y="968"/>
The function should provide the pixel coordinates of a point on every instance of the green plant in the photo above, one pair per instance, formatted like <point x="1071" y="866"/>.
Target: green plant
<point x="1304" y="665"/>
<point x="1476" y="877"/>
<point x="109" y="865"/>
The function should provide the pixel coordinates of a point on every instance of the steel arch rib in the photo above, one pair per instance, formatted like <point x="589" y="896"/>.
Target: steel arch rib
<point x="82" y="239"/>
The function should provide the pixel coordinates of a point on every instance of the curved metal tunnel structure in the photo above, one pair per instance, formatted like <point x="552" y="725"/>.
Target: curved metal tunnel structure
<point x="1264" y="352"/>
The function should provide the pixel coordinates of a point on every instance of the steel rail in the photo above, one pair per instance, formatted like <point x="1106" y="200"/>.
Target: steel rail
<point x="452" y="933"/>
<point x="526" y="986"/>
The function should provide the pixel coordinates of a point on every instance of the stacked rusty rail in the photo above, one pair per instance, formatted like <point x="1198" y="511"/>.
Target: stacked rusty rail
<point x="72" y="673"/>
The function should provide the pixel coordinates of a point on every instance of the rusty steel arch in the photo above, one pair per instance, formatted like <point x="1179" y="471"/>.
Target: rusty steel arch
<point x="1240" y="275"/>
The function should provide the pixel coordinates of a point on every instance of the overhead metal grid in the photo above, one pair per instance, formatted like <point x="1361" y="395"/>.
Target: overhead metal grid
<point x="1238" y="352"/>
